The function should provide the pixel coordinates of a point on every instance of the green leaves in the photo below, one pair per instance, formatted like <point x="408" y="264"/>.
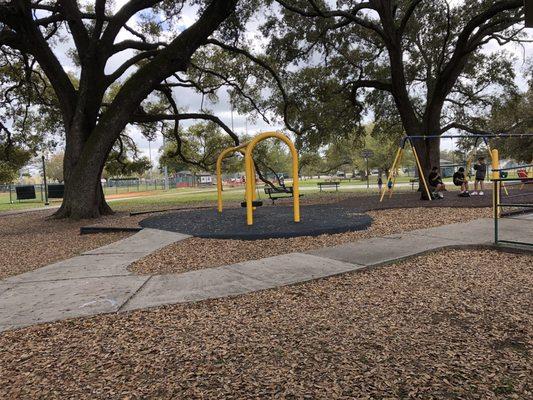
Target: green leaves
<point x="120" y="165"/>
<point x="198" y="148"/>
<point x="12" y="159"/>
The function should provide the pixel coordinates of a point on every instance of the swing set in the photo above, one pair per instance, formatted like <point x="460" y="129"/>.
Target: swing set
<point x="393" y="171"/>
<point x="246" y="149"/>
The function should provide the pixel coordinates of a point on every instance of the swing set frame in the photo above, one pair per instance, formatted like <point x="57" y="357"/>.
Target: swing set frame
<point x="392" y="174"/>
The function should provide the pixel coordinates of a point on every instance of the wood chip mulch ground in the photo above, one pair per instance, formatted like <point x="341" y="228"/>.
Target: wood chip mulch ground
<point x="454" y="324"/>
<point x="197" y="253"/>
<point x="31" y="240"/>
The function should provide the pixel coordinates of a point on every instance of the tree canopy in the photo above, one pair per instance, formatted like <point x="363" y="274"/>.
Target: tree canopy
<point x="418" y="66"/>
<point x="147" y="44"/>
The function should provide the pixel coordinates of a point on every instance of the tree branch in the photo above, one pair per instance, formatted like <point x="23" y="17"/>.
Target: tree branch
<point x="179" y="117"/>
<point x="235" y="86"/>
<point x="273" y="73"/>
<point x="75" y="23"/>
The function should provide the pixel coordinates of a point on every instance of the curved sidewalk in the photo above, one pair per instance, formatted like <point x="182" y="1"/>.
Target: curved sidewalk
<point x="98" y="281"/>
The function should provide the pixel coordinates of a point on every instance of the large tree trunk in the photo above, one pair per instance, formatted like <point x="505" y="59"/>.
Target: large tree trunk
<point x="84" y="198"/>
<point x="428" y="151"/>
<point x="83" y="164"/>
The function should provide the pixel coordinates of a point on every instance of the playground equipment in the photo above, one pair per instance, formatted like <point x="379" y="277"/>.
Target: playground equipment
<point x="393" y="172"/>
<point x="247" y="150"/>
<point x="499" y="176"/>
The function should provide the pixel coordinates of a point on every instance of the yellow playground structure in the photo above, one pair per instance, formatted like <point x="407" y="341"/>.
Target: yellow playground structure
<point x="250" y="194"/>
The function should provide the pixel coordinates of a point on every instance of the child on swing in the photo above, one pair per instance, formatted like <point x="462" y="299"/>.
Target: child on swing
<point x="459" y="179"/>
<point x="436" y="184"/>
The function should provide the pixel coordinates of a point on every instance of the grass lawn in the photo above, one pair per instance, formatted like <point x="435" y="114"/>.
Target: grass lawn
<point x="126" y="200"/>
<point x="5" y="205"/>
<point x="230" y="195"/>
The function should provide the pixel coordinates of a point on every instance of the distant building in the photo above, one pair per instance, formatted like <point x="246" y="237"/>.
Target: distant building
<point x="189" y="179"/>
<point x="204" y="178"/>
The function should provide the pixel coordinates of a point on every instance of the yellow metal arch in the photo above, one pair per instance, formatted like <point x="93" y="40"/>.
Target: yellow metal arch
<point x="250" y="173"/>
<point x="225" y="153"/>
<point x="247" y="149"/>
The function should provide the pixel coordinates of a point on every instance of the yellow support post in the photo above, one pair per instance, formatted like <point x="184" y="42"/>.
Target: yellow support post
<point x="251" y="175"/>
<point x="495" y="163"/>
<point x="500" y="183"/>
<point x="254" y="183"/>
<point x="420" y="171"/>
<point x="395" y="173"/>
<point x="225" y="153"/>
<point x="390" y="172"/>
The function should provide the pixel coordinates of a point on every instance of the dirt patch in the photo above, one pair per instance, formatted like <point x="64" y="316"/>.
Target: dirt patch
<point x="31" y="240"/>
<point x="455" y="324"/>
<point x="197" y="253"/>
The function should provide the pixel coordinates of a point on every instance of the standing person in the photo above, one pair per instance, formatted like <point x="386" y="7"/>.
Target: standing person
<point x="435" y="183"/>
<point x="380" y="183"/>
<point x="481" y="171"/>
<point x="459" y="179"/>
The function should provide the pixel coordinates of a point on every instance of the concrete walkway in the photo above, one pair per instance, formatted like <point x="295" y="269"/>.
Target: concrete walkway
<point x="98" y="281"/>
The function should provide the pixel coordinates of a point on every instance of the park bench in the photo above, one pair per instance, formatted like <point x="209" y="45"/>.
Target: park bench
<point x="56" y="191"/>
<point x="279" y="192"/>
<point x="413" y="182"/>
<point x="25" y="192"/>
<point x="329" y="184"/>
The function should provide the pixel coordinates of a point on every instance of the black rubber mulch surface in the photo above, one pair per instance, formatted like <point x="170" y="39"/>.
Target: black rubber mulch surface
<point x="269" y="222"/>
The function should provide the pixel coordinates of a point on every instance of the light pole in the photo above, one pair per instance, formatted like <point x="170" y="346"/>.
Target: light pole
<point x="150" y="155"/>
<point x="45" y="182"/>
<point x="367" y="153"/>
<point x="367" y="174"/>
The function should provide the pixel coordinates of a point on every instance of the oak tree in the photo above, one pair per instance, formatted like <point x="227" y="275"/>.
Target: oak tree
<point x="159" y="47"/>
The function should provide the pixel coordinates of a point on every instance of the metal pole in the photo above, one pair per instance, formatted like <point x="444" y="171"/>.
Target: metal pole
<point x="165" y="172"/>
<point x="367" y="175"/>
<point x="420" y="170"/>
<point x="45" y="183"/>
<point x="150" y="155"/>
<point x="389" y="175"/>
<point x="395" y="174"/>
<point x="495" y="161"/>
<point x="495" y="210"/>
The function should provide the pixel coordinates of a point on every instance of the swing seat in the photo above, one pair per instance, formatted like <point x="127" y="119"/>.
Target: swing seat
<point x="255" y="203"/>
